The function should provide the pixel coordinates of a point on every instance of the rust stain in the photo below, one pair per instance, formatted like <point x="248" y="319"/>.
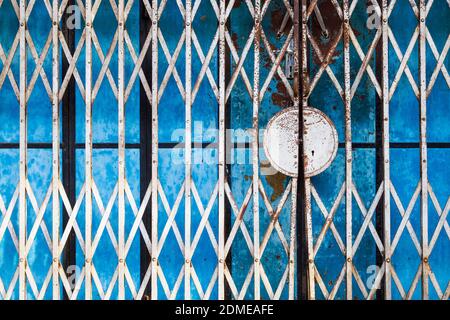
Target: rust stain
<point x="276" y="21"/>
<point x="237" y="3"/>
<point x="277" y="181"/>
<point x="281" y="97"/>
<point x="234" y="38"/>
<point x="333" y="25"/>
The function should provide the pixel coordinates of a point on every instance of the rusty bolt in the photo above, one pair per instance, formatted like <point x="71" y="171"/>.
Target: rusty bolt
<point x="425" y="260"/>
<point x="388" y="260"/>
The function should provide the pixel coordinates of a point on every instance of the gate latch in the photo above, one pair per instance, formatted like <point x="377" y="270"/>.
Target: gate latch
<point x="289" y="66"/>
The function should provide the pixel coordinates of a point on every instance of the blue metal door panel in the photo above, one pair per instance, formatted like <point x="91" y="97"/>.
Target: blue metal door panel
<point x="330" y="259"/>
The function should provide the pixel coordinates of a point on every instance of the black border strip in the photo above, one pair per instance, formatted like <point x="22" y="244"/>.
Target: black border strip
<point x="145" y="110"/>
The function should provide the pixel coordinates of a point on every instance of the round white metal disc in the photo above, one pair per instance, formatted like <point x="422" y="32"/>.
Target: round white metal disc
<point x="281" y="145"/>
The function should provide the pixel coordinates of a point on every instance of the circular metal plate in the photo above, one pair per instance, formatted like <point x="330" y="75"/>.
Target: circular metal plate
<point x="281" y="147"/>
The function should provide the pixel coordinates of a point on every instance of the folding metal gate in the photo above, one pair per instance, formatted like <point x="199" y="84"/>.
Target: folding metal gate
<point x="132" y="165"/>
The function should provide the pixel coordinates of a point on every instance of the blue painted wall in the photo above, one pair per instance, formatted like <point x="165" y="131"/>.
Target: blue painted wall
<point x="404" y="113"/>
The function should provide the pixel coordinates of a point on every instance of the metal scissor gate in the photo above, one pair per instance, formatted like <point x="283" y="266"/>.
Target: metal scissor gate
<point x="132" y="164"/>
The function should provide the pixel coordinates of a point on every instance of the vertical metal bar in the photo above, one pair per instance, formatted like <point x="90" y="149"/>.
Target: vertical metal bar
<point x="88" y="154"/>
<point x="423" y="147"/>
<point x="23" y="153"/>
<point x="348" y="152"/>
<point x="222" y="152"/>
<point x="55" y="147"/>
<point x="305" y="252"/>
<point x="121" y="150"/>
<point x="309" y="241"/>
<point x="297" y="202"/>
<point x="228" y="147"/>
<point x="68" y="136"/>
<point x="255" y="150"/>
<point x="154" y="130"/>
<point x="386" y="156"/>
<point x="188" y="156"/>
<point x="145" y="142"/>
<point x="292" y="240"/>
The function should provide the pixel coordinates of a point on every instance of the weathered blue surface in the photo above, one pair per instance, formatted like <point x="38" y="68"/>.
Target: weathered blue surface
<point x="405" y="174"/>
